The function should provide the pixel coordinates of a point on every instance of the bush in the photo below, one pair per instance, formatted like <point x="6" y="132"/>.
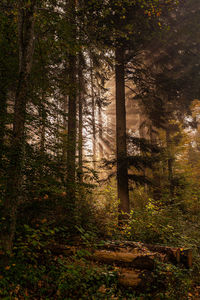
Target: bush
<point x="166" y="225"/>
<point x="172" y="282"/>
<point x="33" y="272"/>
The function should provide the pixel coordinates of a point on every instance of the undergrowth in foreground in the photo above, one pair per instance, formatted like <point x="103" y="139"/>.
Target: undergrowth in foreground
<point x="34" y="272"/>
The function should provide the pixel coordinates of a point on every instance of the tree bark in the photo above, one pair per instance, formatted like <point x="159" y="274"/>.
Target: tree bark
<point x="126" y="259"/>
<point x="93" y="115"/>
<point x="72" y="107"/>
<point x="122" y="170"/>
<point x="42" y="115"/>
<point x="3" y="114"/>
<point x="143" y="135"/>
<point x="64" y="147"/>
<point x="71" y="141"/>
<point x="80" y="124"/>
<point x="173" y="255"/>
<point x="100" y="131"/>
<point x="170" y="163"/>
<point x="26" y="21"/>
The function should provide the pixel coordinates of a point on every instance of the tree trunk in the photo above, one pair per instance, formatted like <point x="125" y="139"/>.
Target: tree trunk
<point x="71" y="142"/>
<point x="64" y="147"/>
<point x="42" y="114"/>
<point x="122" y="171"/>
<point x="100" y="132"/>
<point x="93" y="115"/>
<point x="143" y="135"/>
<point x="26" y="21"/>
<point x="80" y="124"/>
<point x="42" y="117"/>
<point x="126" y="259"/>
<point x="173" y="255"/>
<point x="3" y="114"/>
<point x="72" y="106"/>
<point x="169" y="163"/>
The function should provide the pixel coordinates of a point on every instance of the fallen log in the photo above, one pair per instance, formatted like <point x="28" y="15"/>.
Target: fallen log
<point x="129" y="278"/>
<point x="126" y="253"/>
<point x="134" y="278"/>
<point x="134" y="262"/>
<point x="186" y="257"/>
<point x="127" y="259"/>
<point x="174" y="255"/>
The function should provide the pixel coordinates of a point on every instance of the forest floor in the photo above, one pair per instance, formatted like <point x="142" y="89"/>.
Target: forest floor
<point x="142" y="271"/>
<point x="45" y="269"/>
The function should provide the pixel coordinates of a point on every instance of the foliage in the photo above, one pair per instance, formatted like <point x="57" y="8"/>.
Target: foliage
<point x="82" y="280"/>
<point x="162" y="225"/>
<point x="174" y="282"/>
<point x="150" y="220"/>
<point x="163" y="67"/>
<point x="34" y="272"/>
<point x="105" y="208"/>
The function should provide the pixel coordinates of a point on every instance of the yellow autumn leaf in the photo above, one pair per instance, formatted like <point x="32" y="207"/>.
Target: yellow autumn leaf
<point x="190" y="295"/>
<point x="43" y="221"/>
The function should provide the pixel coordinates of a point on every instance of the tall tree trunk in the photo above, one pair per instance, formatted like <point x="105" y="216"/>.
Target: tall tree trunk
<point x="143" y="135"/>
<point x="93" y="114"/>
<point x="122" y="170"/>
<point x="26" y="21"/>
<point x="72" y="106"/>
<point x="169" y="163"/>
<point x="80" y="121"/>
<point x="3" y="114"/>
<point x="64" y="147"/>
<point x="42" y="114"/>
<point x="71" y="142"/>
<point x="100" y="132"/>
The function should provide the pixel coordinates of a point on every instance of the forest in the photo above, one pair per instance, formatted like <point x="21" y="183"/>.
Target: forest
<point x="100" y="149"/>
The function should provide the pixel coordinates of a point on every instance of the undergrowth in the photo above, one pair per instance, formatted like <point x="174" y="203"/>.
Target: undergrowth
<point x="35" y="271"/>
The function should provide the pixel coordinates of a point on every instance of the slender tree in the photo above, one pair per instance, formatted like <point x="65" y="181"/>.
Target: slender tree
<point x="26" y="22"/>
<point x="93" y="113"/>
<point x="72" y="110"/>
<point x="122" y="170"/>
<point x="80" y="119"/>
